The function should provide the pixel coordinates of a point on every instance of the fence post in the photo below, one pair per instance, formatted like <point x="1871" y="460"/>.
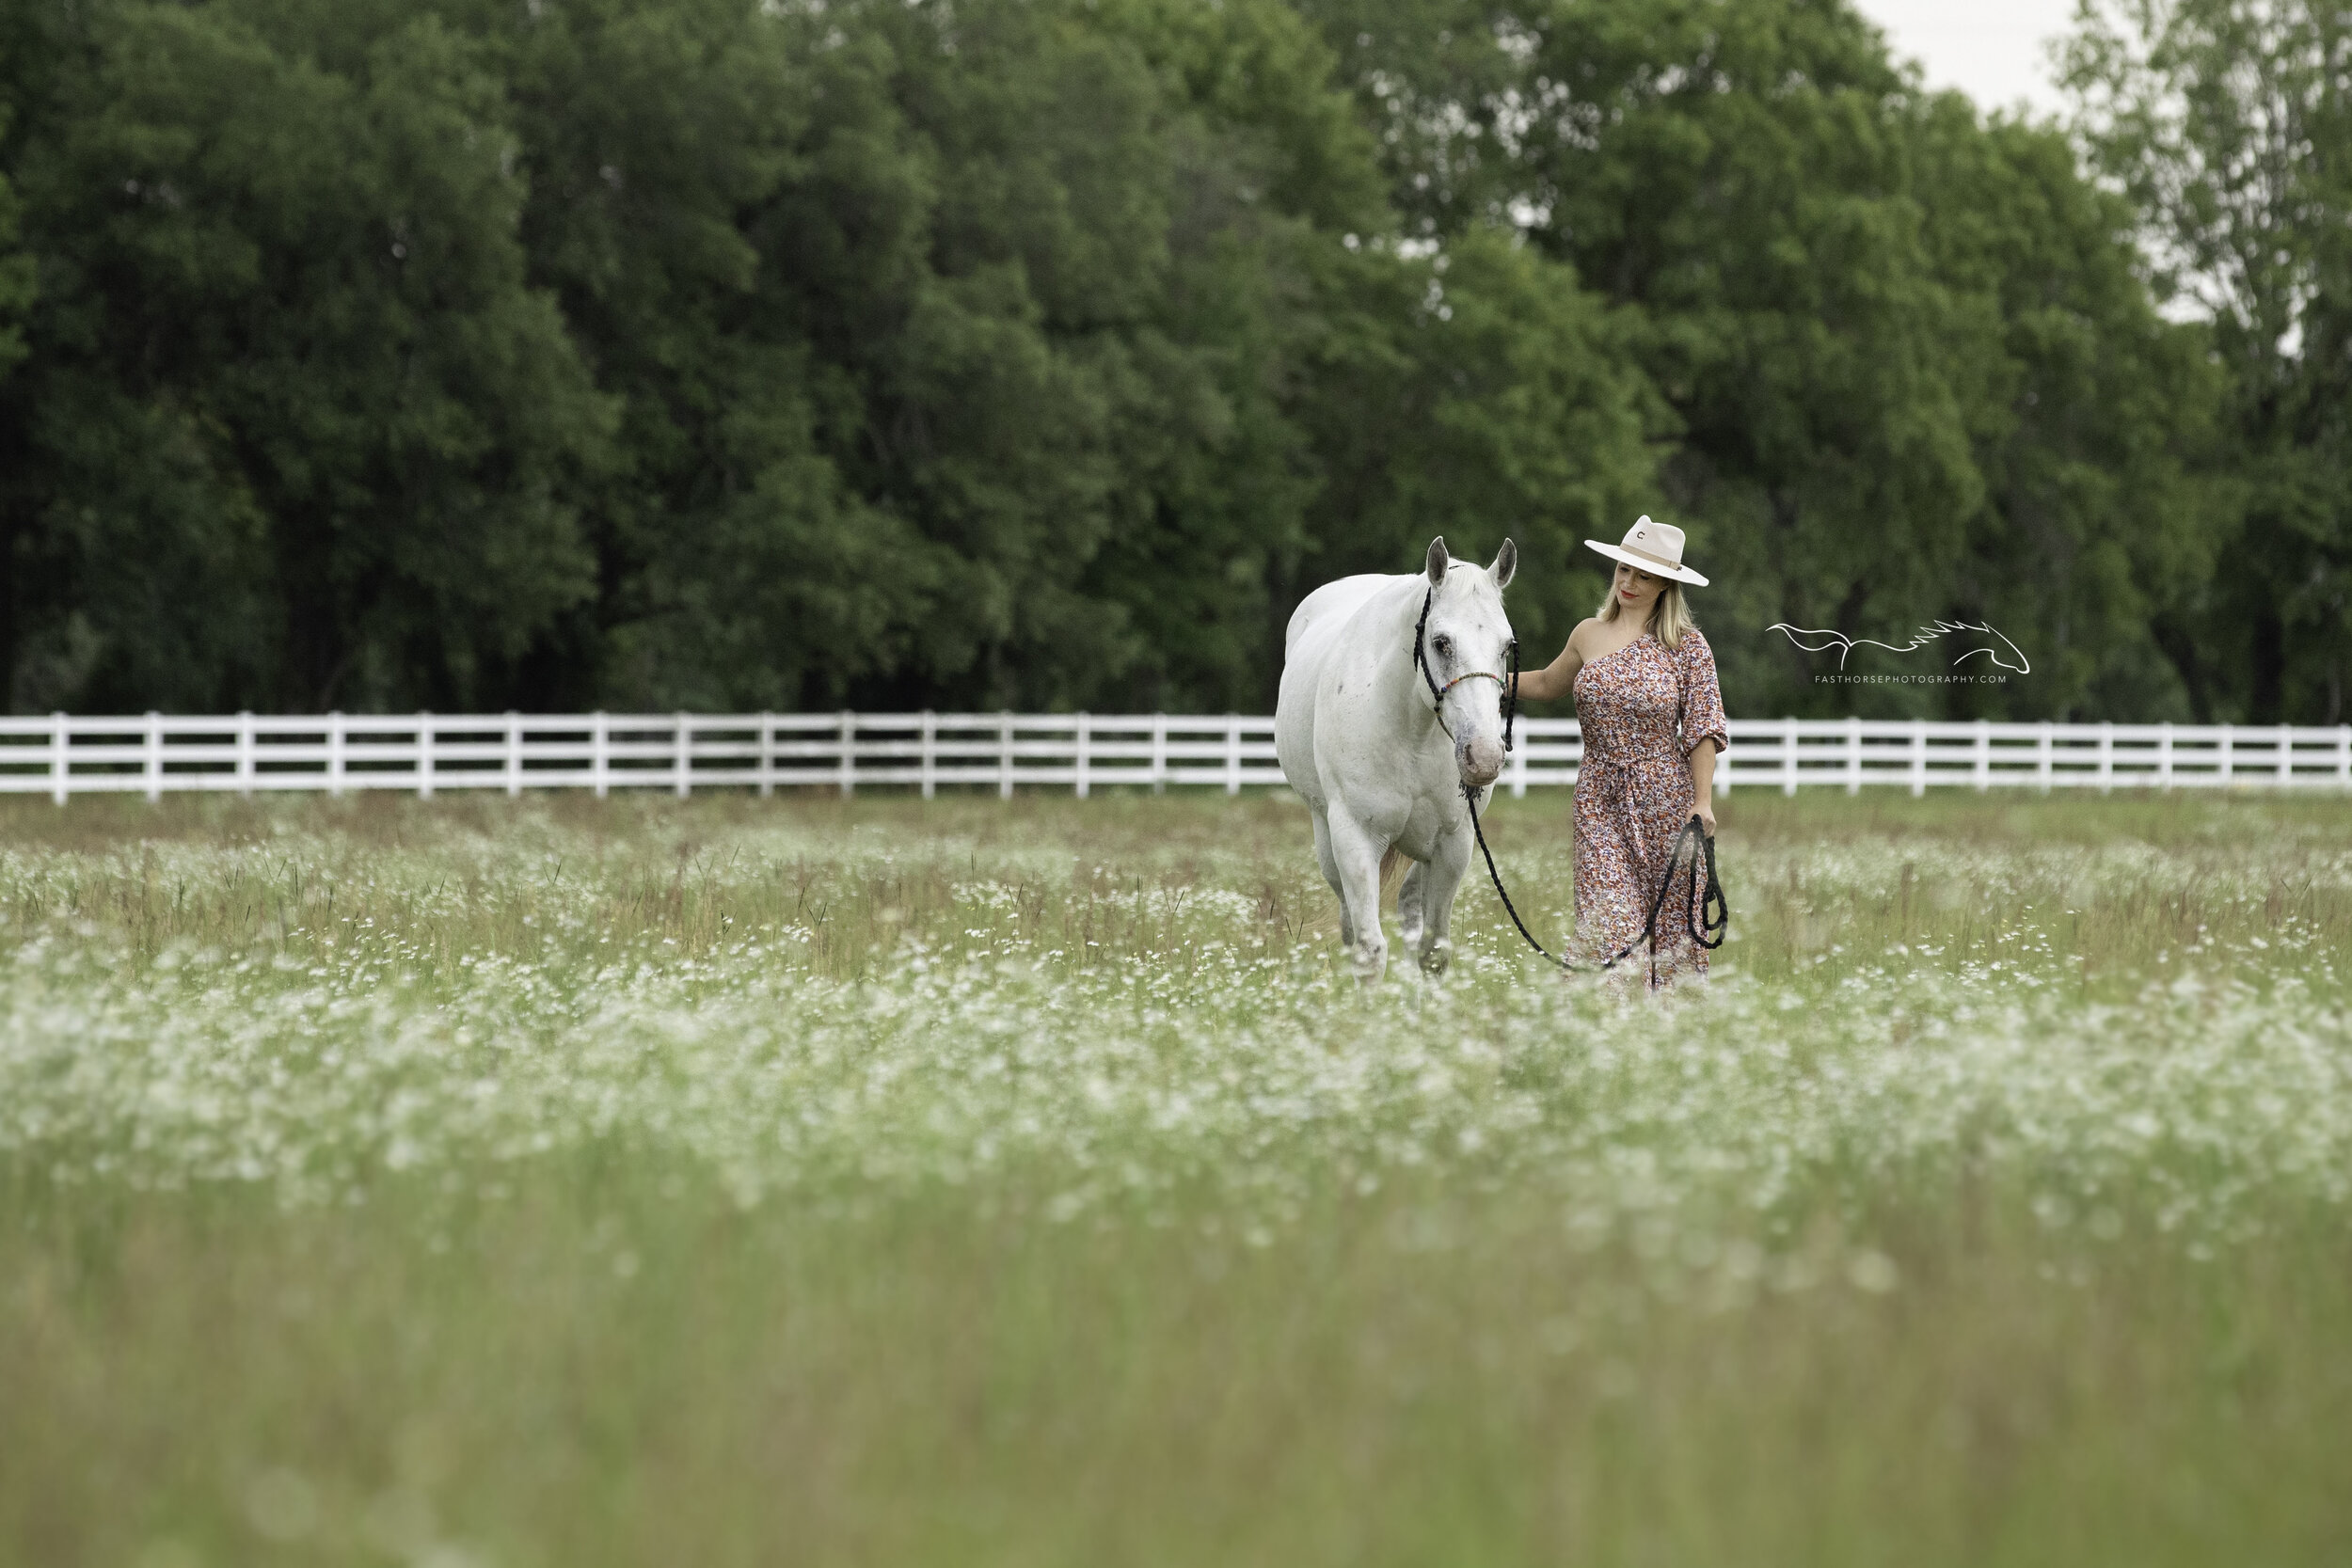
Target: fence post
<point x="2225" y="753"/>
<point x="2286" y="755"/>
<point x="1159" y="753"/>
<point x="245" y="754"/>
<point x="424" y="754"/>
<point x="514" y="754"/>
<point x="2041" y="759"/>
<point x="600" y="755"/>
<point x="2164" y="756"/>
<point x="767" y="754"/>
<point x="1853" y="755"/>
<point x="682" y="744"/>
<point x="2107" y="756"/>
<point x="2343" y="756"/>
<point x="849" y="753"/>
<point x="335" y="754"/>
<point x="61" y="736"/>
<point x="1787" y="757"/>
<point x="1232" y="754"/>
<point x="154" y="759"/>
<point x="1085" y="733"/>
<point x="1918" y="756"/>
<point x="930" y="754"/>
<point x="1004" y="754"/>
<point x="1984" y="755"/>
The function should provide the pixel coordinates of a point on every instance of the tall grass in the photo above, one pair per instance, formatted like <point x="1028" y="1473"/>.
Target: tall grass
<point x="873" y="1182"/>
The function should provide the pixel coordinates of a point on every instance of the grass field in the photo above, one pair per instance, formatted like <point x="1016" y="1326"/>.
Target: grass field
<point x="568" y="1182"/>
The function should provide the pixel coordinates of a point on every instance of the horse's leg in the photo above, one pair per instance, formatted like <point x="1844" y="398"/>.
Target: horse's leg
<point x="1332" y="874"/>
<point x="1409" y="904"/>
<point x="1441" y="879"/>
<point x="1357" y="853"/>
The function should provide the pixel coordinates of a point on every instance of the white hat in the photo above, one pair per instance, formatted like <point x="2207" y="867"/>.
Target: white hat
<point x="1655" y="549"/>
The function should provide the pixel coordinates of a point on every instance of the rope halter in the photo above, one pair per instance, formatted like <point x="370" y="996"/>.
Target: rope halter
<point x="1473" y="675"/>
<point x="1438" y="693"/>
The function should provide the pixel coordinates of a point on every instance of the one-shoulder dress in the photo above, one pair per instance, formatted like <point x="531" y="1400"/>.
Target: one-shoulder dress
<point x="1641" y="710"/>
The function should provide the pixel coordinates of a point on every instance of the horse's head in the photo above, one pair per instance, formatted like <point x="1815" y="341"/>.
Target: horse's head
<point x="1467" y="645"/>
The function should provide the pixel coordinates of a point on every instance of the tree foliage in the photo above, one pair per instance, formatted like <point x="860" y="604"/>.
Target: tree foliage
<point x="2228" y="124"/>
<point x="1909" y="369"/>
<point x="721" y="354"/>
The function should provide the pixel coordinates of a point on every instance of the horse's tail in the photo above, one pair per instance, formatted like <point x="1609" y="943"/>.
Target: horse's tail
<point x="1391" y="872"/>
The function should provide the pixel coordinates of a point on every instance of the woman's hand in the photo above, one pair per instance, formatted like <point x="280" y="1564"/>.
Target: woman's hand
<point x="1705" y="811"/>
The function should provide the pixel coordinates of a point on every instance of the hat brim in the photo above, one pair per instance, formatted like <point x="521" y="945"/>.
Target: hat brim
<point x="1656" y="569"/>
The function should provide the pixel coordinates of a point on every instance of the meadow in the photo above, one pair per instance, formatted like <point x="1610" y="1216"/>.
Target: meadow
<point x="568" y="1182"/>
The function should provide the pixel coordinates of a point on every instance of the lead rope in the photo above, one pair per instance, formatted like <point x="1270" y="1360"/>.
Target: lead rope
<point x="1711" y="912"/>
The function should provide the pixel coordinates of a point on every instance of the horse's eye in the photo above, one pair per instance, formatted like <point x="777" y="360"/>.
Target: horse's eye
<point x="1445" y="644"/>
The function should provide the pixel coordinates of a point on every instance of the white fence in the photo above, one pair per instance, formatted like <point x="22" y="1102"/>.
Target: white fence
<point x="423" y="753"/>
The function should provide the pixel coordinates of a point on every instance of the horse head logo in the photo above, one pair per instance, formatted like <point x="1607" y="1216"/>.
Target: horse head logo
<point x="1991" y="644"/>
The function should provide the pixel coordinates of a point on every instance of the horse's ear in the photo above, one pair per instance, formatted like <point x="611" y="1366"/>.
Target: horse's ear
<point x="1506" y="565"/>
<point x="1439" y="561"/>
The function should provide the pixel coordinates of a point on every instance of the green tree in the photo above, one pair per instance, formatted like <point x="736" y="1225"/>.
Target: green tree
<point x="1386" y="391"/>
<point x="17" y="285"/>
<point x="728" y="353"/>
<point x="952" y="345"/>
<point x="1842" y="288"/>
<point x="1477" y="392"/>
<point x="681" y="160"/>
<point x="2229" y="124"/>
<point x="2095" y="423"/>
<point x="16" y="274"/>
<point x="295" y="432"/>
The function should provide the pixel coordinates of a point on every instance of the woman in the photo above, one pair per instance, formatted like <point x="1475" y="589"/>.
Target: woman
<point x="1639" y="670"/>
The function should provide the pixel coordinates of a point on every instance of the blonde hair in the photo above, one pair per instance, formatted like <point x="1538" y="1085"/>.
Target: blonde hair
<point x="1669" y="618"/>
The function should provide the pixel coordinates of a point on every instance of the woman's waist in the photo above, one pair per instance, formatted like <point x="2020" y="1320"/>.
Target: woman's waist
<point x="1664" y="754"/>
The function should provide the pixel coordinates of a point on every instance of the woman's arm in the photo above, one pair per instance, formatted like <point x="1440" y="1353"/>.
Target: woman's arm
<point x="1703" y="784"/>
<point x="1704" y="730"/>
<point x="1553" y="680"/>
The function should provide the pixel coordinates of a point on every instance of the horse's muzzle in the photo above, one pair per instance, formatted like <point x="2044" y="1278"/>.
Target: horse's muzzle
<point x="1481" y="760"/>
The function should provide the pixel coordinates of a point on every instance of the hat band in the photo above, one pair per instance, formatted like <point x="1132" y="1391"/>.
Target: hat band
<point x="1636" y="549"/>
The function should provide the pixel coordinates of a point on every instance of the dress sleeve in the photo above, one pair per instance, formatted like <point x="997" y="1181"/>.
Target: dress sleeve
<point x="1701" y="714"/>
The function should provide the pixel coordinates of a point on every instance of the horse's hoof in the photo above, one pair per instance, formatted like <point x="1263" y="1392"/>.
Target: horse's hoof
<point x="1435" y="963"/>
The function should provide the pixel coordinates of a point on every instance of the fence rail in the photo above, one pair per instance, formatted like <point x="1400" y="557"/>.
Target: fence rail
<point x="424" y="753"/>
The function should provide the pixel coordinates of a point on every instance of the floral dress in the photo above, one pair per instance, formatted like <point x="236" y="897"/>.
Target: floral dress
<point x="1633" y="793"/>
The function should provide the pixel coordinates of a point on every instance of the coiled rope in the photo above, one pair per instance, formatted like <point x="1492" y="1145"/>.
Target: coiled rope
<point x="1705" y="915"/>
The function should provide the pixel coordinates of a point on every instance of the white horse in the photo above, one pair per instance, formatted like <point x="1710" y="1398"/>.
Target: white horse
<point x="1382" y="751"/>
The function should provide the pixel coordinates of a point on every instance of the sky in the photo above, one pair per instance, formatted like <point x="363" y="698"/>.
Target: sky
<point x="1992" y="50"/>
